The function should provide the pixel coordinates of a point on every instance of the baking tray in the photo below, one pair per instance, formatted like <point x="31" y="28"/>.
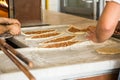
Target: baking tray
<point x="62" y="29"/>
<point x="24" y="40"/>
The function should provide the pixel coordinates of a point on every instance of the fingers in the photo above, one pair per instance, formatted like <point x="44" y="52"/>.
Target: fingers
<point x="91" y="35"/>
<point x="3" y="29"/>
<point x="9" y="21"/>
<point x="91" y="28"/>
<point x="14" y="21"/>
<point x="15" y="32"/>
<point x="14" y="26"/>
<point x="14" y="29"/>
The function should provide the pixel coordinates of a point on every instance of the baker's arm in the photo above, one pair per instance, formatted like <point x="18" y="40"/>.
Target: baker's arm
<point x="107" y="23"/>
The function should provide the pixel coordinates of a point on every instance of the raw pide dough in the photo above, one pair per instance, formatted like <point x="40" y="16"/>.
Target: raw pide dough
<point x="39" y="31"/>
<point x="45" y="35"/>
<point x="59" y="39"/>
<point x="108" y="50"/>
<point x="76" y="30"/>
<point x="62" y="44"/>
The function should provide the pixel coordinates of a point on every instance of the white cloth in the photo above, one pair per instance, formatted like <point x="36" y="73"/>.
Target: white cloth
<point x="118" y="1"/>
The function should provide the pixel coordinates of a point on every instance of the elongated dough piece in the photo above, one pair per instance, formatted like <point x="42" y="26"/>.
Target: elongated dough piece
<point x="108" y="50"/>
<point x="63" y="38"/>
<point x="39" y="31"/>
<point x="45" y="35"/>
<point x="62" y="44"/>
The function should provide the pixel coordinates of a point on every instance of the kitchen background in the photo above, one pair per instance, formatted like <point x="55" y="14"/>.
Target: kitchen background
<point x="85" y="8"/>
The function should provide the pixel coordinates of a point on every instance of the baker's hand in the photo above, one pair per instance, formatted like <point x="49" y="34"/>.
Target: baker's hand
<point x="14" y="26"/>
<point x="14" y="29"/>
<point x="91" y="33"/>
<point x="3" y="29"/>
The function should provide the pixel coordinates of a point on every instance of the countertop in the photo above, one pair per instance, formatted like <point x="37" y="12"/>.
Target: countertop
<point x="57" y="18"/>
<point x="64" y="63"/>
<point x="78" y="61"/>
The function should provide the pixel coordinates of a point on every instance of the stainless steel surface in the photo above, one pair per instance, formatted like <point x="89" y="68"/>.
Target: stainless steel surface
<point x="11" y="10"/>
<point x="101" y="6"/>
<point x="85" y="8"/>
<point x="95" y="7"/>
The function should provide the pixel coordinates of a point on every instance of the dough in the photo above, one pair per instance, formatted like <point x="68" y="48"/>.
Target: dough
<point x="76" y="30"/>
<point x="62" y="44"/>
<point x="38" y="32"/>
<point x="108" y="50"/>
<point x="45" y="35"/>
<point x="59" y="39"/>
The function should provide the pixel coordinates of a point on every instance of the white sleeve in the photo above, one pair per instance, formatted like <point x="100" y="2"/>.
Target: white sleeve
<point x="118" y="1"/>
